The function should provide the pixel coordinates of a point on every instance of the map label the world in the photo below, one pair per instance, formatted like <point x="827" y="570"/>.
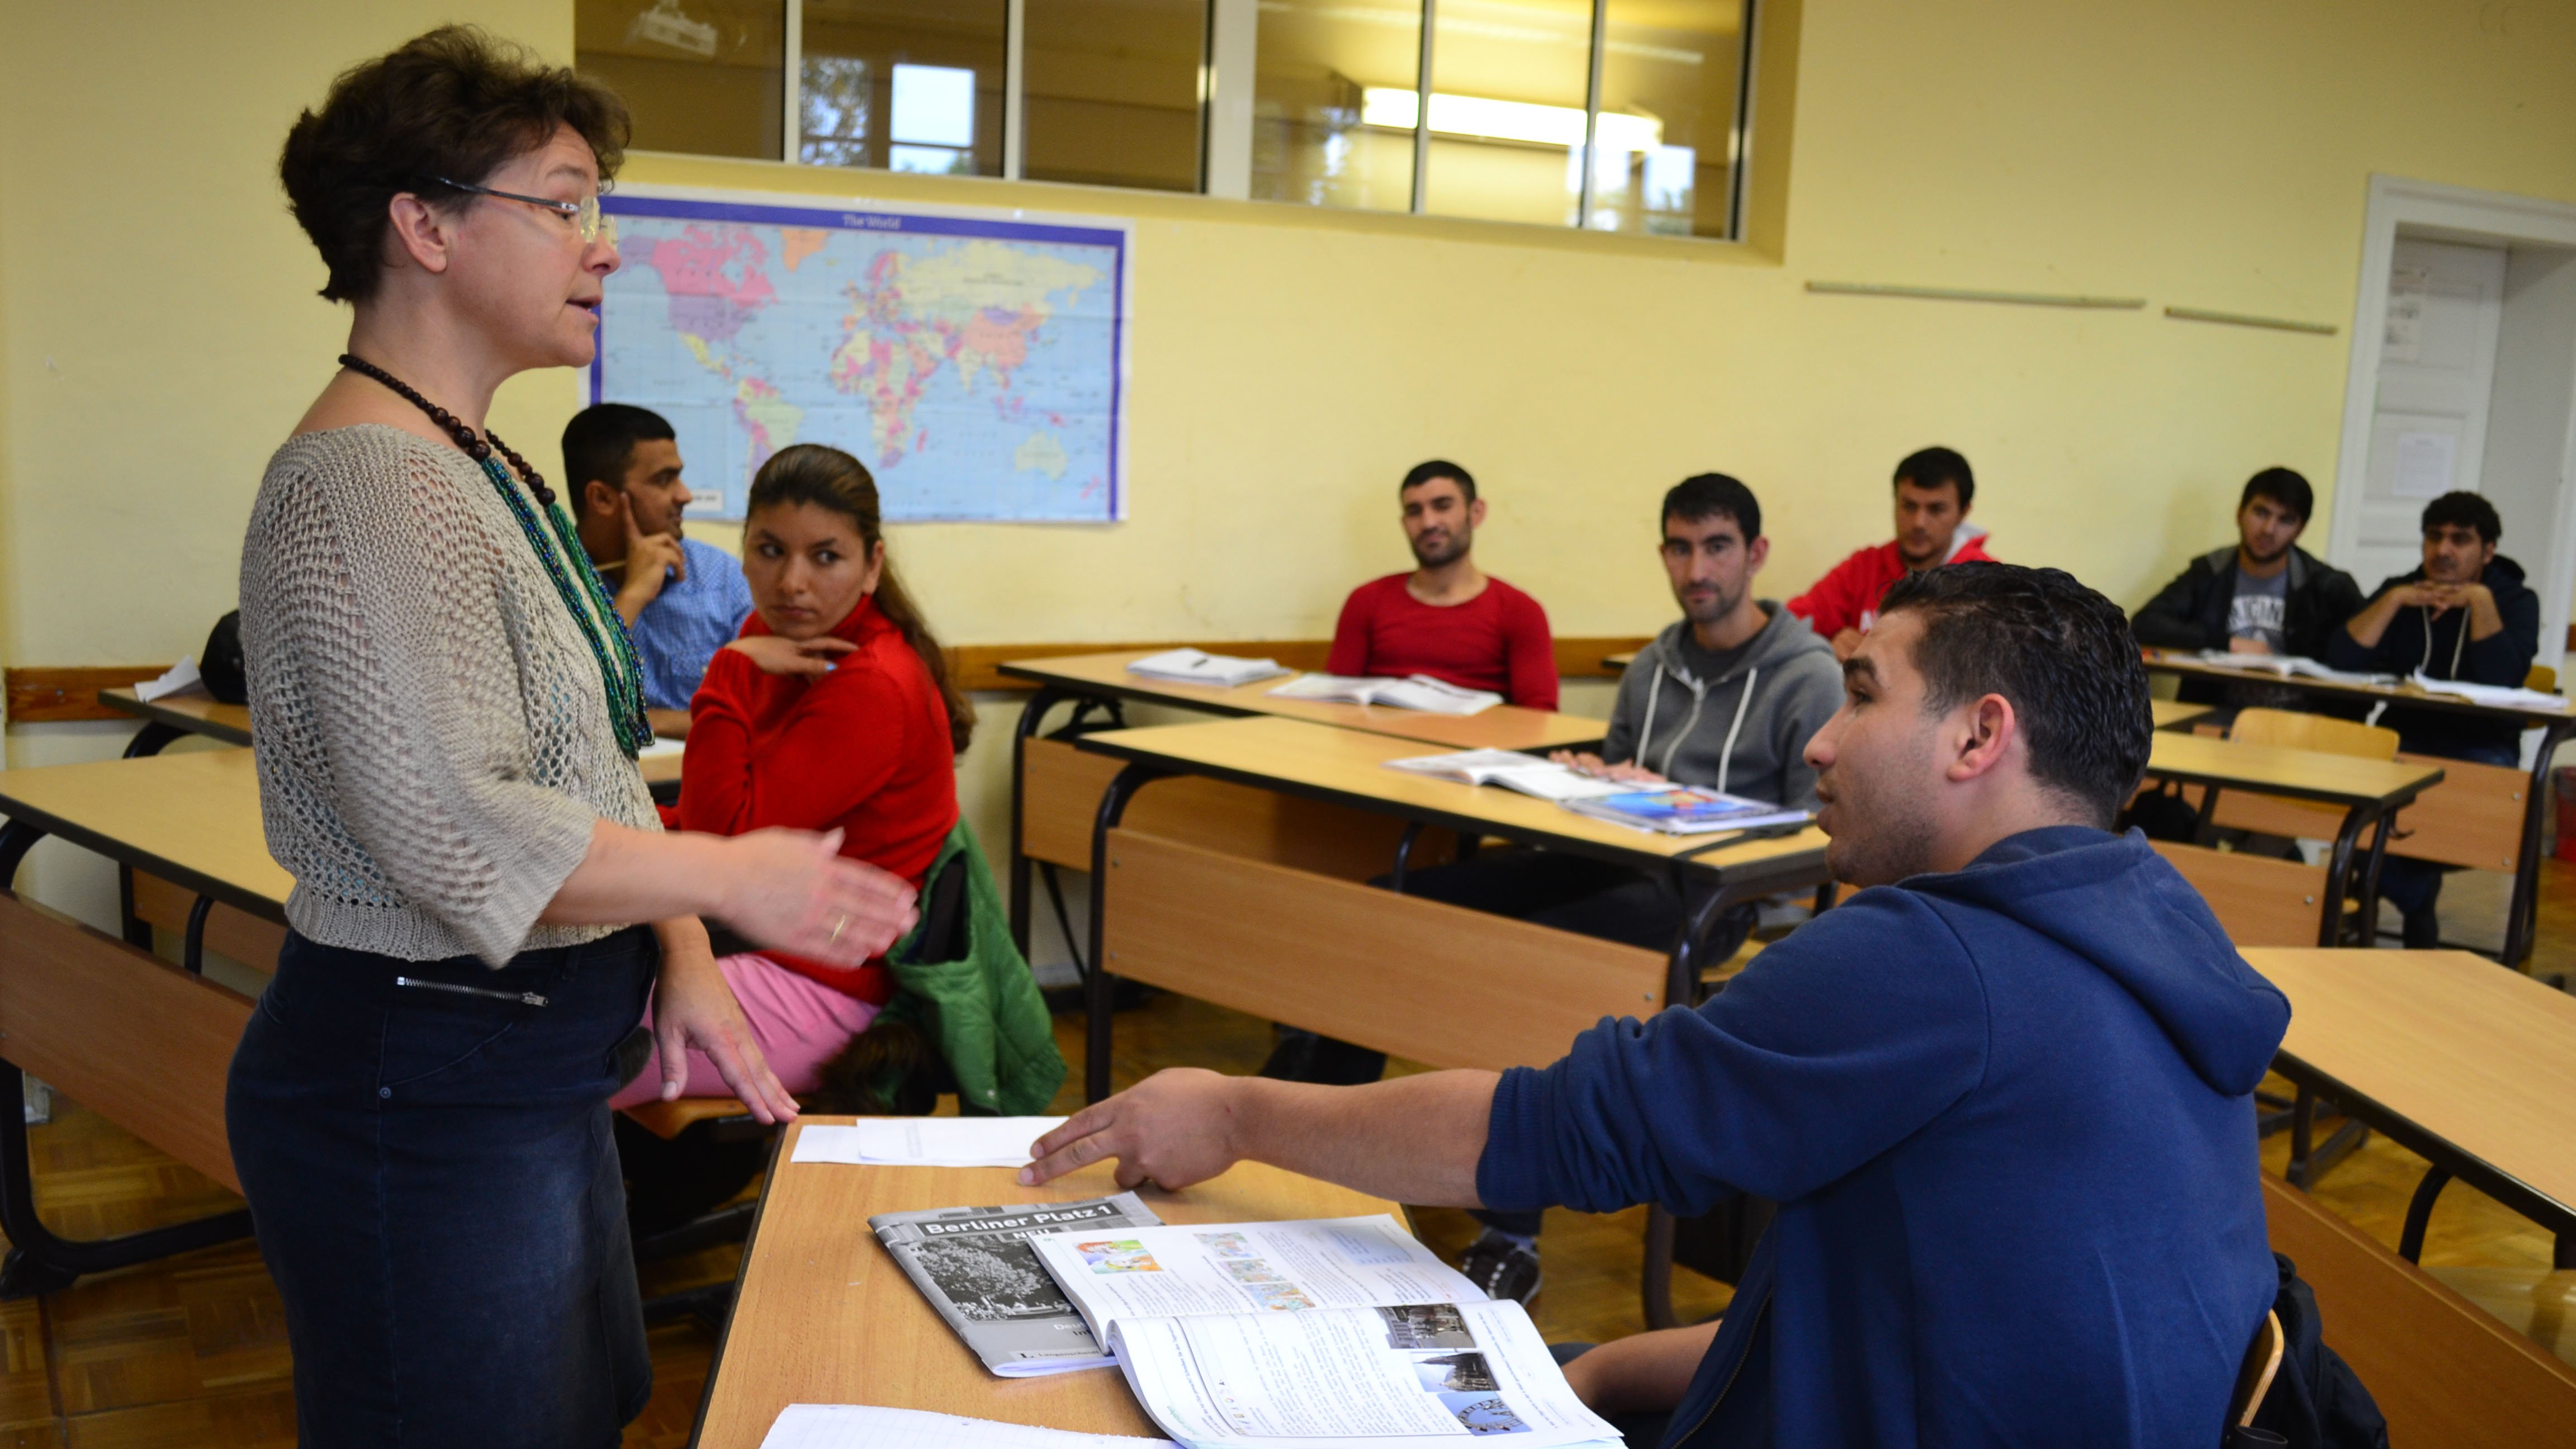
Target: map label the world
<point x="975" y="362"/>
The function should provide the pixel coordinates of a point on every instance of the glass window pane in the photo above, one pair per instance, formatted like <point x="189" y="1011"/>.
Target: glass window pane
<point x="908" y="85"/>
<point x="702" y="76"/>
<point x="1311" y="142"/>
<point x="1507" y="90"/>
<point x="1113" y="91"/>
<point x="1670" y="78"/>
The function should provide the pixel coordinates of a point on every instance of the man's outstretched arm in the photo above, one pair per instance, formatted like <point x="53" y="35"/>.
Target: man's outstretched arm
<point x="1415" y="1139"/>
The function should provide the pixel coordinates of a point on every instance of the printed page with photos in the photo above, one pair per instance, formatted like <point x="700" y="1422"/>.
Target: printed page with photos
<point x="1419" y="1376"/>
<point x="1246" y="1267"/>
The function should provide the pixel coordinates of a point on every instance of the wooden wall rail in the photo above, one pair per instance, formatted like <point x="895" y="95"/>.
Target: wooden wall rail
<point x="45" y="694"/>
<point x="42" y="695"/>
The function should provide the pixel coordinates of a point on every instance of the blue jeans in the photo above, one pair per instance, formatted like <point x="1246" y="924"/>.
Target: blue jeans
<point x="2415" y="885"/>
<point x="436" y="1192"/>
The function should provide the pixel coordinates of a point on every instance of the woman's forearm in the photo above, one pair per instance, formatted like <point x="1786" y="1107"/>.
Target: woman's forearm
<point x="642" y="875"/>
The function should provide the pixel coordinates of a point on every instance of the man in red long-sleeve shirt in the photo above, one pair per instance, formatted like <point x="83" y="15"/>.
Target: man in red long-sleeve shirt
<point x="1934" y="489"/>
<point x="1444" y="618"/>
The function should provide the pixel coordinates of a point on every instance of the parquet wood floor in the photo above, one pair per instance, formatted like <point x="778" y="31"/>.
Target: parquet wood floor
<point x="192" y="1351"/>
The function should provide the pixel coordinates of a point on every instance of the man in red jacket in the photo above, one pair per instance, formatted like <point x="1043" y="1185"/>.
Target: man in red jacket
<point x="1444" y="618"/>
<point x="1933" y="491"/>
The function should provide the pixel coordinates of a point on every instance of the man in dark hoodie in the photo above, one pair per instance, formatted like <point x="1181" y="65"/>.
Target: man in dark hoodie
<point x="2464" y="615"/>
<point x="1918" y="1077"/>
<point x="2266" y="595"/>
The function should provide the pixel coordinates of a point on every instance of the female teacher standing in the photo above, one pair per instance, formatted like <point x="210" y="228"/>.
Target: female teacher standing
<point x="448" y="716"/>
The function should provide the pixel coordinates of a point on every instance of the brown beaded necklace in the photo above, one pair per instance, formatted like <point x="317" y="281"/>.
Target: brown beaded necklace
<point x="620" y="674"/>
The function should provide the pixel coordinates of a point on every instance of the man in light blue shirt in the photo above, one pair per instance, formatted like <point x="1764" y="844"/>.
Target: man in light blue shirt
<point x="682" y="600"/>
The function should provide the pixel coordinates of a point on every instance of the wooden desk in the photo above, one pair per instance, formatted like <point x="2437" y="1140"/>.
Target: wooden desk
<point x="1347" y="768"/>
<point x="167" y="719"/>
<point x="144" y="1043"/>
<point x="2369" y="791"/>
<point x="1620" y="660"/>
<point x="825" y="1317"/>
<point x="2468" y="1064"/>
<point x="2171" y="714"/>
<point x="1054" y="792"/>
<point x="2557" y="726"/>
<point x="171" y="716"/>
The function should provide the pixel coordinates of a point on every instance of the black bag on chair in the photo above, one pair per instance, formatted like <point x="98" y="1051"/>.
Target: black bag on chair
<point x="2317" y="1401"/>
<point x="227" y="679"/>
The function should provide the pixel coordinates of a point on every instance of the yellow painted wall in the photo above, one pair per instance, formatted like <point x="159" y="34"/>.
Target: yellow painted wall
<point x="158" y="332"/>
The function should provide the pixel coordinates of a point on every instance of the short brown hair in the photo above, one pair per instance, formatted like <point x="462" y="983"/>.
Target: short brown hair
<point x="454" y="103"/>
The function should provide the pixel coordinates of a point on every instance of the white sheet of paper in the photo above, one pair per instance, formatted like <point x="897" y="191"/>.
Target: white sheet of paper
<point x="662" y="747"/>
<point x="180" y="678"/>
<point x="927" y="1141"/>
<point x="859" y="1426"/>
<point x="2424" y="464"/>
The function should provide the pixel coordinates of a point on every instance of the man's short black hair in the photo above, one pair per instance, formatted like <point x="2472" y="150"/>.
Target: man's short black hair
<point x="2059" y="651"/>
<point x="1932" y="467"/>
<point x="2283" y="487"/>
<point x="601" y="438"/>
<point x="2464" y="510"/>
<point x="1706" y="495"/>
<point x="1438" y="468"/>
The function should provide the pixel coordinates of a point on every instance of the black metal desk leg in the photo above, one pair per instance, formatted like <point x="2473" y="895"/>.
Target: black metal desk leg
<point x="2419" y="1214"/>
<point x="193" y="954"/>
<point x="1100" y="988"/>
<point x="1681" y="988"/>
<point x="39" y="1261"/>
<point x="1032" y="719"/>
<point x="2522" y="919"/>
<point x="1404" y="855"/>
<point x="151" y="739"/>
<point x="2370" y="879"/>
<point x="2339" y="874"/>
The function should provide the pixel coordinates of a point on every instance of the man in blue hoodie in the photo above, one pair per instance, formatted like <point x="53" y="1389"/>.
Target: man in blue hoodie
<point x="2464" y="615"/>
<point x="2003" y="1096"/>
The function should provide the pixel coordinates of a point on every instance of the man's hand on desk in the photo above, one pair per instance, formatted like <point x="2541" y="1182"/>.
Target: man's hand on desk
<point x="1172" y="1129"/>
<point x="2242" y="645"/>
<point x="1592" y="764"/>
<point x="1414" y="1139"/>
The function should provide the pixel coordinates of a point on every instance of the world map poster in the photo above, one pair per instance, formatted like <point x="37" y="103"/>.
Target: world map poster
<point x="976" y="363"/>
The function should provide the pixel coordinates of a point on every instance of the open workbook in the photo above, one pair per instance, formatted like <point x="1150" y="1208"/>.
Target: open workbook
<point x="1687" y="811"/>
<point x="1414" y="691"/>
<point x="1314" y="1335"/>
<point x="2287" y="666"/>
<point x="975" y="1267"/>
<point x="1511" y="770"/>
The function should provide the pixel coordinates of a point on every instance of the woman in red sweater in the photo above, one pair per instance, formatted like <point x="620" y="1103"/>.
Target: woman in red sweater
<point x="833" y="712"/>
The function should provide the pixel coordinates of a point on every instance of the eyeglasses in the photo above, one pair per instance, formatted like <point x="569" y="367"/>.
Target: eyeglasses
<point x="583" y="214"/>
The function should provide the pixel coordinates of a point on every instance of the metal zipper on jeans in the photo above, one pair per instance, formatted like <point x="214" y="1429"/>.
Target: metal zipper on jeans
<point x="524" y="998"/>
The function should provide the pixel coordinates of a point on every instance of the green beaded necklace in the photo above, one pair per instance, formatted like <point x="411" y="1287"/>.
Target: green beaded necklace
<point x="619" y="671"/>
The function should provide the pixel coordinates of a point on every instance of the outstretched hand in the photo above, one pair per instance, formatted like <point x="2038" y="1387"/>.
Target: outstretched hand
<point x="1175" y="1128"/>
<point x="693" y="1009"/>
<point x="794" y="890"/>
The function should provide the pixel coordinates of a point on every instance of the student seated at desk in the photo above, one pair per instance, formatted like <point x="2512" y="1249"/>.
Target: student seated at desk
<point x="1727" y="698"/>
<point x="1934" y="490"/>
<point x="1445" y="618"/>
<point x="2464" y="615"/>
<point x="2266" y="595"/>
<point x="681" y="599"/>
<point x="832" y="712"/>
<point x="1919" y="1077"/>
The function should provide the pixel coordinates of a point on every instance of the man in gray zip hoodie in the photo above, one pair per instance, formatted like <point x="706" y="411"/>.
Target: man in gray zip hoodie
<point x="1726" y="698"/>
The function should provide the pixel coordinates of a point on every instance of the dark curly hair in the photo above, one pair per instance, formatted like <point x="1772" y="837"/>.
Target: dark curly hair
<point x="454" y="103"/>
<point x="2059" y="651"/>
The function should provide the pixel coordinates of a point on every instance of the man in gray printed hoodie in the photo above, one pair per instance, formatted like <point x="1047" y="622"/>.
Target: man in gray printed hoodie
<point x="1726" y="698"/>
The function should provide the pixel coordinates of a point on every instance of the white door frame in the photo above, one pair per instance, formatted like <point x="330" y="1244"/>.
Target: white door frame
<point x="2433" y="212"/>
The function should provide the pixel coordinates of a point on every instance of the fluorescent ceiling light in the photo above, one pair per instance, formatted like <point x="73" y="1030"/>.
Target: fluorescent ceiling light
<point x="1395" y="108"/>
